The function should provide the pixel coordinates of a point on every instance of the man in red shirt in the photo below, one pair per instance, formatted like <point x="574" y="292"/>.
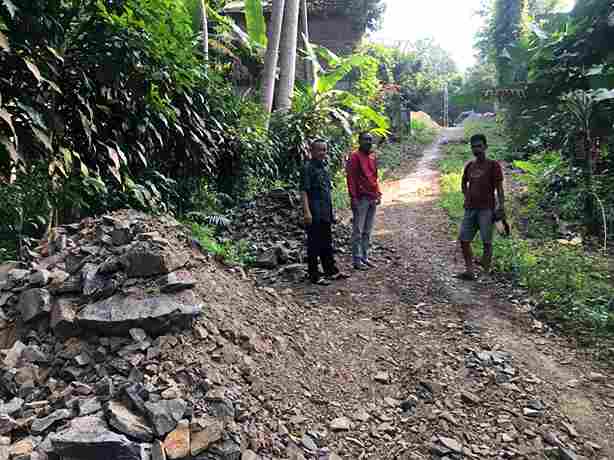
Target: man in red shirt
<point x="482" y="177"/>
<point x="365" y="195"/>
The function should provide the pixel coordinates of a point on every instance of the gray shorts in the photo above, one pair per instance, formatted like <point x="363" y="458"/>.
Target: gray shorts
<point x="477" y="219"/>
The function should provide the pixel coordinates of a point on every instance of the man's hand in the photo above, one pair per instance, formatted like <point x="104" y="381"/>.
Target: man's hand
<point x="308" y="218"/>
<point x="500" y="212"/>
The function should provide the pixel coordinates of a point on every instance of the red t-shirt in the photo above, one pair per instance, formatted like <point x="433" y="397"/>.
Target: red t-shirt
<point x="482" y="179"/>
<point x="362" y="176"/>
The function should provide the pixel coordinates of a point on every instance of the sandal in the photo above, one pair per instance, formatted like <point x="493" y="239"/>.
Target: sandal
<point x="321" y="282"/>
<point x="338" y="276"/>
<point x="467" y="276"/>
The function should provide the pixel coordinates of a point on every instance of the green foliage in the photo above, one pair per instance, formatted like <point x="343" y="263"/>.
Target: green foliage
<point x="254" y="19"/>
<point x="413" y="79"/>
<point x="341" y="196"/>
<point x="228" y="251"/>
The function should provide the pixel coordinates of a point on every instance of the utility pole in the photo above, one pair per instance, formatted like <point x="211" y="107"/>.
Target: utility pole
<point x="446" y="121"/>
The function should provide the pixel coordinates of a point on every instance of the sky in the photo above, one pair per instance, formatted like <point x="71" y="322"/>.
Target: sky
<point x="453" y="24"/>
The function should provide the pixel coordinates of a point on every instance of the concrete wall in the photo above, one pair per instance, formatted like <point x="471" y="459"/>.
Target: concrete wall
<point x="337" y="33"/>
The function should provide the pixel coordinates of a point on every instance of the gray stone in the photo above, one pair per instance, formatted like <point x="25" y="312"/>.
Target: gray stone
<point x="143" y="261"/>
<point x="470" y="398"/>
<point x="121" y="235"/>
<point x="63" y="318"/>
<point x="205" y="432"/>
<point x="89" y="406"/>
<point x="536" y="404"/>
<point x="7" y="267"/>
<point x="21" y="450"/>
<point x="83" y="359"/>
<point x="5" y="443"/>
<point x="165" y="414"/>
<point x="527" y="412"/>
<point x="13" y="355"/>
<point x="33" y="303"/>
<point x="251" y="455"/>
<point x="7" y="424"/>
<point x="157" y="451"/>
<point x="118" y="314"/>
<point x="268" y="259"/>
<point x="71" y="285"/>
<point x="39" y="278"/>
<point x="5" y="299"/>
<point x="451" y="444"/>
<point x="567" y="454"/>
<point x="40" y="425"/>
<point x="89" y="438"/>
<point x="128" y="423"/>
<point x="223" y="408"/>
<point x="111" y="265"/>
<point x="17" y="276"/>
<point x="177" y="442"/>
<point x="33" y="354"/>
<point x="138" y="335"/>
<point x="11" y="407"/>
<point x="176" y="281"/>
<point x="597" y="377"/>
<point x="341" y="424"/>
<point x="309" y="443"/>
<point x="74" y="262"/>
<point x="223" y="450"/>
<point x="96" y="285"/>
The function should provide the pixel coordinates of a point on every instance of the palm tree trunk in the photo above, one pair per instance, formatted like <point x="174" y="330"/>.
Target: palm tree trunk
<point x="308" y="65"/>
<point x="204" y="28"/>
<point x="287" y="56"/>
<point x="272" y="55"/>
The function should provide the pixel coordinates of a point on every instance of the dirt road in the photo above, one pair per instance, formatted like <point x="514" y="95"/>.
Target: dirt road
<point x="407" y="362"/>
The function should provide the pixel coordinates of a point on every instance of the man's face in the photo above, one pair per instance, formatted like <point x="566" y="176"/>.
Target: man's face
<point x="479" y="149"/>
<point x="319" y="151"/>
<point x="366" y="142"/>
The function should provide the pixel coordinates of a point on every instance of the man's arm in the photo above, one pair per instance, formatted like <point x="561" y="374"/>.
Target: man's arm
<point x="377" y="188"/>
<point x="351" y="179"/>
<point x="499" y="187"/>
<point x="306" y="186"/>
<point x="464" y="180"/>
<point x="306" y="210"/>
<point x="501" y="196"/>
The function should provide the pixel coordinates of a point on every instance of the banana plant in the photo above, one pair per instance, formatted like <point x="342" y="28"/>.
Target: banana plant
<point x="342" y="105"/>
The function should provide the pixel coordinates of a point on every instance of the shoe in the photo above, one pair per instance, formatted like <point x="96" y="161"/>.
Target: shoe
<point x="337" y="276"/>
<point x="466" y="276"/>
<point x="320" y="282"/>
<point x="369" y="264"/>
<point x="361" y="267"/>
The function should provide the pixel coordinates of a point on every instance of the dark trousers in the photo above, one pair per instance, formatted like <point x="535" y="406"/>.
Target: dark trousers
<point x="320" y="244"/>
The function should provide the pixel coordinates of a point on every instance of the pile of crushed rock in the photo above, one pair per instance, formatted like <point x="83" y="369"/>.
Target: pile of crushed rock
<point x="86" y="331"/>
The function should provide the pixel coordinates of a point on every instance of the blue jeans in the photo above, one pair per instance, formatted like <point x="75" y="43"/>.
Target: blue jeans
<point x="362" y="226"/>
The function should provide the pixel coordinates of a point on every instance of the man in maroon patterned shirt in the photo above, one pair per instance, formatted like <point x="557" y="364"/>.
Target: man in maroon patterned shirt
<point x="482" y="177"/>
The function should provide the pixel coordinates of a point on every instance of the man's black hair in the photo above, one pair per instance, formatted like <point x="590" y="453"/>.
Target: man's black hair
<point x="363" y="134"/>
<point x="318" y="140"/>
<point x="478" y="138"/>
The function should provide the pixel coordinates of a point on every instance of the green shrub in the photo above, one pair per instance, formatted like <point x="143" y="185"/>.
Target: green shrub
<point x="229" y="251"/>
